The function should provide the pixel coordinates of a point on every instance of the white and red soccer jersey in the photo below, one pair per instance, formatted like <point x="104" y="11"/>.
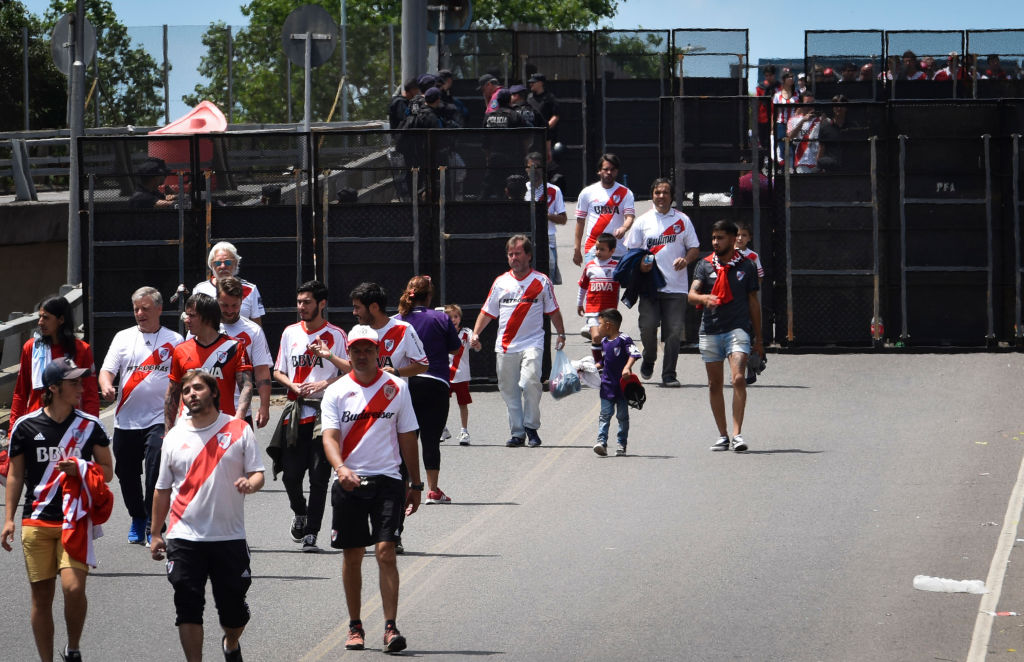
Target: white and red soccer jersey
<point x="554" y="199"/>
<point x="520" y="306"/>
<point x="251" y="335"/>
<point x="141" y="362"/>
<point x="669" y="236"/>
<point x="200" y="467"/>
<point x="302" y="365"/>
<point x="399" y="345"/>
<point x="252" y="301"/>
<point x="604" y="211"/>
<point x="753" y="257"/>
<point x="784" y="112"/>
<point x="805" y="142"/>
<point x="459" y="361"/>
<point x="369" y="418"/>
<point x="598" y="290"/>
<point x="223" y="359"/>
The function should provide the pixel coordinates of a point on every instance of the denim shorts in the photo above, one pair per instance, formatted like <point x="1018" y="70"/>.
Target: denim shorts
<point x="717" y="347"/>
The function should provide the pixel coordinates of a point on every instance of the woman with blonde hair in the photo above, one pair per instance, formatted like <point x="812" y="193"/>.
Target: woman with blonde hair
<point x="223" y="261"/>
<point x="429" y="391"/>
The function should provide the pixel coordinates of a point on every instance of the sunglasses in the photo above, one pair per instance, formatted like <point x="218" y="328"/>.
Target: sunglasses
<point x="223" y="263"/>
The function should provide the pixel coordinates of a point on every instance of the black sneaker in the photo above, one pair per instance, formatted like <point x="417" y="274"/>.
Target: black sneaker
<point x="309" y="543"/>
<point x="534" y="438"/>
<point x="393" y="640"/>
<point x="399" y="547"/>
<point x="74" y="656"/>
<point x="738" y="444"/>
<point x="646" y="370"/>
<point x="297" y="528"/>
<point x="515" y="442"/>
<point x="722" y="444"/>
<point x="670" y="383"/>
<point x="233" y="656"/>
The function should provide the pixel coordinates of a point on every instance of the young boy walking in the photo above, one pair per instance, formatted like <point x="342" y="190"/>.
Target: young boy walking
<point x="459" y="377"/>
<point x="618" y="354"/>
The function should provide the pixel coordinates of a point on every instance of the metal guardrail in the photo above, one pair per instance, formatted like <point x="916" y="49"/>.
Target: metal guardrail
<point x="17" y="330"/>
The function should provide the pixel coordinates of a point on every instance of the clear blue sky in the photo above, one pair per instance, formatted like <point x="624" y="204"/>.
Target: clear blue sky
<point x="778" y="32"/>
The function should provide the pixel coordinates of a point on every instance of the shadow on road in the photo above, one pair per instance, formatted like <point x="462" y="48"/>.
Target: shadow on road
<point x="474" y="653"/>
<point x="482" y="503"/>
<point x="781" y="450"/>
<point x="449" y="556"/>
<point x="161" y="573"/>
<point x="298" y="550"/>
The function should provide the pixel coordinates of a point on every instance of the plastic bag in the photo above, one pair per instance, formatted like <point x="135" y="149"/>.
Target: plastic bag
<point x="564" y="380"/>
<point x="588" y="373"/>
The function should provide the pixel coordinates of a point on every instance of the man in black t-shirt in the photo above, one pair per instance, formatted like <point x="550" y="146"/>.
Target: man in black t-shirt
<point x="725" y="286"/>
<point x="45" y="448"/>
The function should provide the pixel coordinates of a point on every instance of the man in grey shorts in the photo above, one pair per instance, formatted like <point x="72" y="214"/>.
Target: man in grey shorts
<point x="725" y="287"/>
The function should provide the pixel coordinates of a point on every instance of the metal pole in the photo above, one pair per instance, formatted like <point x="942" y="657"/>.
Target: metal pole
<point x="416" y="220"/>
<point x="604" y="103"/>
<point x="876" y="322"/>
<point x="344" y="62"/>
<point x="991" y="336"/>
<point x="903" y="237"/>
<point x="441" y="239"/>
<point x="76" y="121"/>
<point x="89" y="291"/>
<point x="307" y="111"/>
<point x="288" y="75"/>
<point x="584" y="155"/>
<point x="96" y="98"/>
<point x="1017" y="331"/>
<point x="755" y="171"/>
<point x="231" y="91"/>
<point x="789" y="243"/>
<point x="414" y="29"/>
<point x="391" y="58"/>
<point x="167" y="82"/>
<point x="298" y="221"/>
<point x="24" y="60"/>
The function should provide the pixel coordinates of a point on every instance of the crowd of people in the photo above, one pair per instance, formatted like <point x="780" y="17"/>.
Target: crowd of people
<point x="363" y="404"/>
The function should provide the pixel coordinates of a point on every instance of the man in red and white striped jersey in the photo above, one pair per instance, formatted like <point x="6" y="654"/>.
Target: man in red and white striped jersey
<point x="519" y="299"/>
<point x="369" y="429"/>
<point x="604" y="206"/>
<point x="209" y="462"/>
<point x="551" y="195"/>
<point x="140" y="359"/>
<point x="310" y="358"/>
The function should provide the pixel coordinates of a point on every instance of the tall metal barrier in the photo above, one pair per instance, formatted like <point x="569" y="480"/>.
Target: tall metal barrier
<point x="924" y="44"/>
<point x="633" y="72"/>
<point x="260" y="200"/>
<point x="710" y="61"/>
<point x="1018" y="241"/>
<point x="947" y="209"/>
<point x="128" y="242"/>
<point x="837" y="50"/>
<point x="1000" y="58"/>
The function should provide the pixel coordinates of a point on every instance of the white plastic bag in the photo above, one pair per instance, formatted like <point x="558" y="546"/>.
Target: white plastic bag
<point x="588" y="373"/>
<point x="564" y="379"/>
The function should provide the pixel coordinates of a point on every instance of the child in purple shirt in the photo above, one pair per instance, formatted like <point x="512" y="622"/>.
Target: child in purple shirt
<point x="618" y="354"/>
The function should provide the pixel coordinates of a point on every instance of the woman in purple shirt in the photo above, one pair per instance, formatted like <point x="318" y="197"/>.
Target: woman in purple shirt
<point x="429" y="391"/>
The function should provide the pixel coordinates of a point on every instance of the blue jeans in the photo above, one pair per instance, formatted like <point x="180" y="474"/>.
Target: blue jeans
<point x="621" y="409"/>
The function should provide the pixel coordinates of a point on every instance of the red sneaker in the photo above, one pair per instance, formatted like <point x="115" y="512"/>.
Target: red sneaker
<point x="356" y="639"/>
<point x="393" y="640"/>
<point x="437" y="496"/>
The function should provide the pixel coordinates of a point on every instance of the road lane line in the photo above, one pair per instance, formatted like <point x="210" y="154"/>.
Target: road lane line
<point x="997" y="572"/>
<point x="336" y="638"/>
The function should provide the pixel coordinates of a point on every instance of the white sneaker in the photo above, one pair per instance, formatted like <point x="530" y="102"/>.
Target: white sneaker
<point x="738" y="445"/>
<point x="464" y="438"/>
<point x="445" y="435"/>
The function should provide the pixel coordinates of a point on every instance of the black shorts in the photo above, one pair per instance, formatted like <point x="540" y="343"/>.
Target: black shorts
<point x="368" y="514"/>
<point x="225" y="563"/>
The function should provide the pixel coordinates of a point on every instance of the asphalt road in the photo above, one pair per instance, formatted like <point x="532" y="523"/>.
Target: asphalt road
<point x="864" y="471"/>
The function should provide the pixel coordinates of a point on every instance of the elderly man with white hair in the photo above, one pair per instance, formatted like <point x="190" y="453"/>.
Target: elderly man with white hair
<point x="223" y="261"/>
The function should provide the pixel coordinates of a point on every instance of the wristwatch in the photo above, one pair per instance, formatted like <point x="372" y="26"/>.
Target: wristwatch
<point x="416" y="486"/>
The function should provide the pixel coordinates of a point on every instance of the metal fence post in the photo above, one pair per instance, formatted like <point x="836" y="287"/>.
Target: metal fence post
<point x="24" y="60"/>
<point x="442" y="204"/>
<point x="230" y="54"/>
<point x="877" y="329"/>
<point x="903" y="237"/>
<point x="298" y="173"/>
<point x="1018" y="332"/>
<point x="789" y="245"/>
<point x="167" y="82"/>
<point x="414" y="196"/>
<point x="585" y="156"/>
<point x="991" y="335"/>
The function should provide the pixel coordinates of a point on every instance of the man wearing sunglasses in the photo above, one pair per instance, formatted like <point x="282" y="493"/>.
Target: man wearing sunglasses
<point x="223" y="261"/>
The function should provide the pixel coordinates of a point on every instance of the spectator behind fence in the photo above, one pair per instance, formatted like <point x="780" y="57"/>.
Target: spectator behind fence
<point x="995" y="69"/>
<point x="766" y="89"/>
<point x="399" y="106"/>
<point x="550" y="195"/>
<point x="785" y="96"/>
<point x="489" y="87"/>
<point x="831" y="135"/>
<point x="270" y="195"/>
<point x="801" y="83"/>
<point x="804" y="131"/>
<point x="911" y="67"/>
<point x="151" y="174"/>
<point x="849" y="73"/>
<point x="545" y="106"/>
<point x="928" y="67"/>
<point x="867" y="73"/>
<point x="502" y="151"/>
<point x="453" y="112"/>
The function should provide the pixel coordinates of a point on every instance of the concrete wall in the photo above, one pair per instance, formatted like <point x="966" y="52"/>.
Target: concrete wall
<point x="33" y="254"/>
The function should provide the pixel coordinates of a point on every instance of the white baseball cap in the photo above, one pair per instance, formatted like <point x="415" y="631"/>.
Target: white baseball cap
<point x="362" y="332"/>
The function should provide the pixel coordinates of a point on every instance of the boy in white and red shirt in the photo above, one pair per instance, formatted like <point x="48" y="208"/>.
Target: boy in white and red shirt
<point x="598" y="290"/>
<point x="743" y="239"/>
<point x="369" y="428"/>
<point x="519" y="299"/>
<point x="459" y="377"/>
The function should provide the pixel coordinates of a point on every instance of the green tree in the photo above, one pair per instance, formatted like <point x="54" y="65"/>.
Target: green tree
<point x="259" y="67"/>
<point x="47" y="86"/>
<point x="130" y="84"/>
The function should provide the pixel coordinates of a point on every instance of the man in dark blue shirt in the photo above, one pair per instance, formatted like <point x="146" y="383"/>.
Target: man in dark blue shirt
<point x="725" y="286"/>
